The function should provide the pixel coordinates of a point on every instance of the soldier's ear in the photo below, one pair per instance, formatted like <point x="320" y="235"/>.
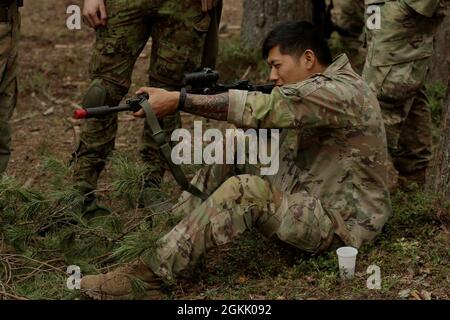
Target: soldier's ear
<point x="308" y="59"/>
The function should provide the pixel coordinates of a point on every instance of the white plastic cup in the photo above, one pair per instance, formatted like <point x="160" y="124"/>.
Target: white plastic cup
<point x="347" y="261"/>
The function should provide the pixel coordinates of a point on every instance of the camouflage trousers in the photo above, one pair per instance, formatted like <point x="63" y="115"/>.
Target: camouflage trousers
<point x="9" y="38"/>
<point x="238" y="203"/>
<point x="350" y="23"/>
<point x="407" y="117"/>
<point x="178" y="30"/>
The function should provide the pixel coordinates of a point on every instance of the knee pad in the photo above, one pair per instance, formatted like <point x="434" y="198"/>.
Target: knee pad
<point x="95" y="96"/>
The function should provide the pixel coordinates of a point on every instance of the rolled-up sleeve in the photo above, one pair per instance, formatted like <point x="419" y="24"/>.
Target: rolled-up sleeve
<point x="259" y="110"/>
<point x="312" y="103"/>
<point x="236" y="107"/>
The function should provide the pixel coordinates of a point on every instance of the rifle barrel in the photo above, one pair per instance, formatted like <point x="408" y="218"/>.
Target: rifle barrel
<point x="100" y="111"/>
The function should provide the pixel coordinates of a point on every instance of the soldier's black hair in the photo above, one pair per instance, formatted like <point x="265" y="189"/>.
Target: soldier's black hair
<point x="294" y="38"/>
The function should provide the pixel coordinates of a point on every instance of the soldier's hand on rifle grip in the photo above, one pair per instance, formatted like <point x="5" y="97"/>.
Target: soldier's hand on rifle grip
<point x="163" y="102"/>
<point x="94" y="12"/>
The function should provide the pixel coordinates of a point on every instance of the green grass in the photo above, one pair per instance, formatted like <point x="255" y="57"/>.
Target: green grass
<point x="435" y="93"/>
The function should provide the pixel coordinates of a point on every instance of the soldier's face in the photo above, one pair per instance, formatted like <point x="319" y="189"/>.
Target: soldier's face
<point x="287" y="69"/>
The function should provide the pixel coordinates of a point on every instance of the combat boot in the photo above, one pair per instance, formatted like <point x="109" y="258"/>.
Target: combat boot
<point x="5" y="248"/>
<point x="418" y="177"/>
<point x="118" y="284"/>
<point x="90" y="208"/>
<point x="392" y="176"/>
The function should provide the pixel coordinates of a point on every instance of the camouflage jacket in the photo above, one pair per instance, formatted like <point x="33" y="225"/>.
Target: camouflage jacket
<point x="406" y="32"/>
<point x="340" y="153"/>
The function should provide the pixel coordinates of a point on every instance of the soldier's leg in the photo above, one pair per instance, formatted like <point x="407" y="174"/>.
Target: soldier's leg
<point x="241" y="203"/>
<point x="178" y="40"/>
<point x="207" y="179"/>
<point x="9" y="38"/>
<point x="116" y="49"/>
<point x="415" y="143"/>
<point x="350" y="25"/>
<point x="397" y="87"/>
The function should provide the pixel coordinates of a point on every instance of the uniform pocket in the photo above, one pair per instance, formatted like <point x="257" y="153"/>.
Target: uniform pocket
<point x="401" y="51"/>
<point x="171" y="61"/>
<point x="403" y="80"/>
<point x="402" y="37"/>
<point x="112" y="54"/>
<point x="304" y="224"/>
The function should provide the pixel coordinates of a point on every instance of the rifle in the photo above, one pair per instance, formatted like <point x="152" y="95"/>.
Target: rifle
<point x="204" y="82"/>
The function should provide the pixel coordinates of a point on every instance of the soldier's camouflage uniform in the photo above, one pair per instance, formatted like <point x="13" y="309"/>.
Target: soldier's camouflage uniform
<point x="350" y="25"/>
<point x="398" y="61"/>
<point x="178" y="30"/>
<point x="331" y="186"/>
<point x="9" y="38"/>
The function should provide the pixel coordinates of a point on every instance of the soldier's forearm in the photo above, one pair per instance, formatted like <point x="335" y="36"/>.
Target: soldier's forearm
<point x="213" y="107"/>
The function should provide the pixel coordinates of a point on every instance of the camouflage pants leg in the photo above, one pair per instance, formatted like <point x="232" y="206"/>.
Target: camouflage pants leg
<point x="9" y="38"/>
<point x="114" y="54"/>
<point x="350" y="23"/>
<point x="178" y="47"/>
<point x="414" y="150"/>
<point x="207" y="179"/>
<point x="407" y="118"/>
<point x="241" y="203"/>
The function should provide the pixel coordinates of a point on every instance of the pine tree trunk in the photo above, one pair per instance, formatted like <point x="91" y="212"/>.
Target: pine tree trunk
<point x="438" y="180"/>
<point x="262" y="15"/>
<point x="439" y="177"/>
<point x="440" y="70"/>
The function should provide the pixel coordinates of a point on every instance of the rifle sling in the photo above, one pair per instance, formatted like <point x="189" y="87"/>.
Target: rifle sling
<point x="160" y="139"/>
<point x="166" y="151"/>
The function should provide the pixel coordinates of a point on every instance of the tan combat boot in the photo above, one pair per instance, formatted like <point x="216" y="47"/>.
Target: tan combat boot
<point x="118" y="284"/>
<point x="418" y="177"/>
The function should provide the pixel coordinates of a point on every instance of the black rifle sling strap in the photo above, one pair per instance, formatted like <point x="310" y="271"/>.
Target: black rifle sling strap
<point x="160" y="139"/>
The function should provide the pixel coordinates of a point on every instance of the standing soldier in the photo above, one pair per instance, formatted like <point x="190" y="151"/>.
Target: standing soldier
<point x="9" y="37"/>
<point x="397" y="64"/>
<point x="179" y="30"/>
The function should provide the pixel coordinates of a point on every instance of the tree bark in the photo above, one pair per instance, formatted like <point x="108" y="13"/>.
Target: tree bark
<point x="440" y="70"/>
<point x="439" y="177"/>
<point x="260" y="16"/>
<point x="438" y="180"/>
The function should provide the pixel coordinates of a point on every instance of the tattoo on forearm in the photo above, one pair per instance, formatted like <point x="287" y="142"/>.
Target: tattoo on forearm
<point x="213" y="107"/>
